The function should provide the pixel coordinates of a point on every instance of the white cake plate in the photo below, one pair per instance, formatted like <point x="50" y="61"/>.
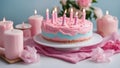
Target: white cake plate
<point x="94" y="40"/>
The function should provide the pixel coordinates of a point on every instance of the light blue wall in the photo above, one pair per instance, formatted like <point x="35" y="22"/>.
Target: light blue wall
<point x="20" y="10"/>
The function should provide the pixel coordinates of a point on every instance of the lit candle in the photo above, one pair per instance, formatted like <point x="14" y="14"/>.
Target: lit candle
<point x="47" y="14"/>
<point x="71" y="14"/>
<point x="26" y="30"/>
<point x="76" y="18"/>
<point x="4" y="25"/>
<point x="64" y="18"/>
<point x="55" y="12"/>
<point x="13" y="42"/>
<point x="107" y="25"/>
<point x="53" y="17"/>
<point x="35" y="21"/>
<point x="84" y="15"/>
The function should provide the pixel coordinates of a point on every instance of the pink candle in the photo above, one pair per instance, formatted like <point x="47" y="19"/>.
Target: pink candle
<point x="47" y="14"/>
<point x="76" y="18"/>
<point x="4" y="25"/>
<point x="64" y="18"/>
<point x="84" y="15"/>
<point x="55" y="12"/>
<point x="53" y="17"/>
<point x="71" y="14"/>
<point x="13" y="42"/>
<point x="26" y="30"/>
<point x="35" y="21"/>
<point x="107" y="24"/>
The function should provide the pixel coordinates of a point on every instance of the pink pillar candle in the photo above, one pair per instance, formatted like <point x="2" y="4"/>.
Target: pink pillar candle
<point x="4" y="25"/>
<point x="47" y="14"/>
<point x="76" y="18"/>
<point x="35" y="21"/>
<point x="53" y="17"/>
<point x="71" y="14"/>
<point x="55" y="13"/>
<point x="13" y="42"/>
<point x="107" y="25"/>
<point x="26" y="30"/>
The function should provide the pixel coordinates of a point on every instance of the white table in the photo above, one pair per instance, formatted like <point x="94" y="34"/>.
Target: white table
<point x="48" y="62"/>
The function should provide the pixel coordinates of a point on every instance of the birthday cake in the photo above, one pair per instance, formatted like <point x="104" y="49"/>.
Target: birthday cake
<point x="66" y="30"/>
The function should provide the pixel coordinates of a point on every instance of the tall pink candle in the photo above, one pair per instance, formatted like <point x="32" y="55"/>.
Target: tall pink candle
<point x="4" y="25"/>
<point x="71" y="14"/>
<point x="55" y="13"/>
<point x="76" y="18"/>
<point x="13" y="42"/>
<point x="84" y="15"/>
<point x="47" y="14"/>
<point x="35" y="21"/>
<point x="64" y="18"/>
<point x="53" y="17"/>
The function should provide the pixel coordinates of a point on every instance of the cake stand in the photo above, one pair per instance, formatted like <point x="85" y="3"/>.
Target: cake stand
<point x="94" y="40"/>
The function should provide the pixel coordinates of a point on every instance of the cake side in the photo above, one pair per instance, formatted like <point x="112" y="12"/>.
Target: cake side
<point x="68" y="32"/>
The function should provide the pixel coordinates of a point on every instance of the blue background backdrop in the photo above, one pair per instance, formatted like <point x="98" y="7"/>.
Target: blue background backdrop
<point x="20" y="10"/>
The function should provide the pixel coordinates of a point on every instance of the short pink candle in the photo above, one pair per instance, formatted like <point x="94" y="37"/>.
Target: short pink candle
<point x="84" y="15"/>
<point x="53" y="16"/>
<point x="76" y="18"/>
<point x="47" y="14"/>
<point x="35" y="21"/>
<point x="26" y="30"/>
<point x="55" y="13"/>
<point x="4" y="25"/>
<point x="64" y="18"/>
<point x="71" y="14"/>
<point x="13" y="42"/>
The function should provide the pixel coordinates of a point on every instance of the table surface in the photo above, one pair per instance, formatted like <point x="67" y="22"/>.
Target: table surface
<point x="49" y="62"/>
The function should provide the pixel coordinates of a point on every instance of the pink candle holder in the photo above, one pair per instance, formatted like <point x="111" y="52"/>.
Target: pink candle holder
<point x="26" y="30"/>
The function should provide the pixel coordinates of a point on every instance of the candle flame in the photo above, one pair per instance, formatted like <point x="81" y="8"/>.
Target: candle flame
<point x="47" y="10"/>
<point x="84" y="10"/>
<point x="23" y="24"/>
<point x="65" y="12"/>
<point x="107" y="12"/>
<point x="55" y="9"/>
<point x="4" y="19"/>
<point x="35" y="12"/>
<point x="71" y="10"/>
<point x="53" y="12"/>
<point x="76" y="13"/>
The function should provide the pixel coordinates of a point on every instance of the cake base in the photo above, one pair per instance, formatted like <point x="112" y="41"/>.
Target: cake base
<point x="9" y="60"/>
<point x="67" y="41"/>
